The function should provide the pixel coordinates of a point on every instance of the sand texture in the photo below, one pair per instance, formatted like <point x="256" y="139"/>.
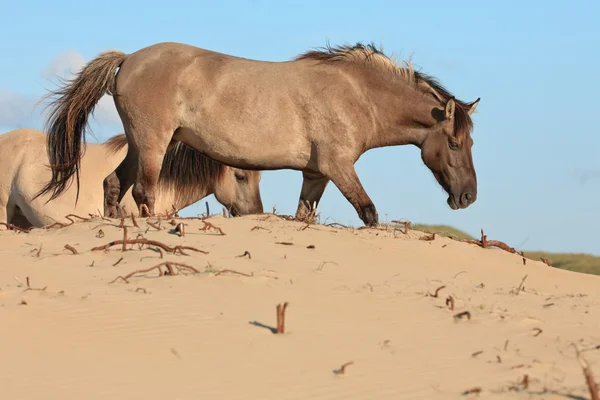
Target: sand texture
<point x="360" y="296"/>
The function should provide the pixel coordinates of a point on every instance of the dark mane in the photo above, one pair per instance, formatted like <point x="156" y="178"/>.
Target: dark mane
<point x="463" y="124"/>
<point x="339" y="52"/>
<point x="183" y="169"/>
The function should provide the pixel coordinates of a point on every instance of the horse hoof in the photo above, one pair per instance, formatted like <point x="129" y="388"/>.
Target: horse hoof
<point x="370" y="217"/>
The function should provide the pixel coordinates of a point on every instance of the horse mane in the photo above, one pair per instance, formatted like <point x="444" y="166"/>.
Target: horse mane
<point x="183" y="169"/>
<point x="374" y="56"/>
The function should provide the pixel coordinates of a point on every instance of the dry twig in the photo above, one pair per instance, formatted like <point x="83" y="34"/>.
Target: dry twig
<point x="463" y="314"/>
<point x="223" y="271"/>
<point x="12" y="227"/>
<point x="180" y="229"/>
<point x="472" y="391"/>
<point x="281" y="317"/>
<point x="167" y="264"/>
<point x="587" y="373"/>
<point x="208" y="225"/>
<point x="407" y="225"/>
<point x="450" y="302"/>
<point x="133" y="221"/>
<point x="149" y="242"/>
<point x="155" y="226"/>
<point x="485" y="243"/>
<point x="436" y="291"/>
<point x="71" y="248"/>
<point x="546" y="261"/>
<point x="428" y="238"/>
<point x="30" y="288"/>
<point x="342" y="369"/>
<point x="520" y="288"/>
<point x="246" y="253"/>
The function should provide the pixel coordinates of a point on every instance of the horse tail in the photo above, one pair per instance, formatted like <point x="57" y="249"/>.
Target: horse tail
<point x="67" y="120"/>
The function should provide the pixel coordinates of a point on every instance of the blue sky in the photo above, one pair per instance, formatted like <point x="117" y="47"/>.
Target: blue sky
<point x="534" y="65"/>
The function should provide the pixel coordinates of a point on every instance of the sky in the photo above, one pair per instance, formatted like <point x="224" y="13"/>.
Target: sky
<point x="534" y="66"/>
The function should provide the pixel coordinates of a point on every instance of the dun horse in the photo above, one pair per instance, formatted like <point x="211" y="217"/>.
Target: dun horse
<point x="317" y="114"/>
<point x="186" y="177"/>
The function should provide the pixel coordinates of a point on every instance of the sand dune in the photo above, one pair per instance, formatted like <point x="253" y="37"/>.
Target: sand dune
<point x="358" y="296"/>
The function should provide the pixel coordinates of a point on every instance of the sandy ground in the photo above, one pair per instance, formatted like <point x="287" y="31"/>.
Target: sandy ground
<point x="357" y="296"/>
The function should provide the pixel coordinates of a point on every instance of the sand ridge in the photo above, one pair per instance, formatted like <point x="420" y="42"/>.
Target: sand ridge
<point x="360" y="296"/>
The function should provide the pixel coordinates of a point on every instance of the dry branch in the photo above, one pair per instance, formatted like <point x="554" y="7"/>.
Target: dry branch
<point x="342" y="369"/>
<point x="520" y="288"/>
<point x="133" y="221"/>
<point x="428" y="238"/>
<point x="12" y="227"/>
<point x="149" y="242"/>
<point x="471" y="391"/>
<point x="71" y="248"/>
<point x="281" y="317"/>
<point x="436" y="291"/>
<point x="587" y="373"/>
<point x="285" y="243"/>
<point x="223" y="271"/>
<point x="118" y="261"/>
<point x="246" y="253"/>
<point x="407" y="225"/>
<point x="463" y="314"/>
<point x="30" y="288"/>
<point x="180" y="228"/>
<point x="208" y="225"/>
<point x="485" y="243"/>
<point x="168" y="266"/>
<point x="155" y="226"/>
<point x="546" y="261"/>
<point x="336" y="225"/>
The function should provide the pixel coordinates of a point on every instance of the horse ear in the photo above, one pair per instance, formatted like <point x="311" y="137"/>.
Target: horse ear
<point x="450" y="107"/>
<point x="473" y="106"/>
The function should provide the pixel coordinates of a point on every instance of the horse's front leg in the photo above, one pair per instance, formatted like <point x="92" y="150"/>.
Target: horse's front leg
<point x="344" y="176"/>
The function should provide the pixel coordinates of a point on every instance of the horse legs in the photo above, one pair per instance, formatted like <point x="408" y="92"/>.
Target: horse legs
<point x="345" y="178"/>
<point x="150" y="159"/>
<point x="118" y="182"/>
<point x="313" y="186"/>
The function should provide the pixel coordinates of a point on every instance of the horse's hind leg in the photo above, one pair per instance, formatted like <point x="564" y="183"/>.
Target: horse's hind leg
<point x="313" y="186"/>
<point x="150" y="159"/>
<point x="119" y="181"/>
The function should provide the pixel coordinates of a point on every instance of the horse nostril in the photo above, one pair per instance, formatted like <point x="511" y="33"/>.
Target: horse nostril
<point x="466" y="199"/>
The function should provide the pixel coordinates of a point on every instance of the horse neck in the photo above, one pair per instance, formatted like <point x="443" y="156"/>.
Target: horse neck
<point x="403" y="114"/>
<point x="169" y="197"/>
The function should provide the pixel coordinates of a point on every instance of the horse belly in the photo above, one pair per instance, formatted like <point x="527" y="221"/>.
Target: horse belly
<point x="248" y="148"/>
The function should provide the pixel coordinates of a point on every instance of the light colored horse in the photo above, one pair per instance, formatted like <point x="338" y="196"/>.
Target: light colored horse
<point x="186" y="177"/>
<point x="317" y="114"/>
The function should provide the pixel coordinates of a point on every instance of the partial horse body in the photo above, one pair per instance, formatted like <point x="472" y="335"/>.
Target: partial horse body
<point x="317" y="114"/>
<point x="186" y="177"/>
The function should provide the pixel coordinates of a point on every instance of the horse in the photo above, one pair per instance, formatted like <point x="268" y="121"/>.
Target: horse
<point x="316" y="113"/>
<point x="186" y="177"/>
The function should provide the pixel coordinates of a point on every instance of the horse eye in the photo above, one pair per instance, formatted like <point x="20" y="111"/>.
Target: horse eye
<point x="240" y="178"/>
<point x="453" y="145"/>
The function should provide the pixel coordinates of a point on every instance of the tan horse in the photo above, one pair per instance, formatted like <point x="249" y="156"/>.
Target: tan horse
<point x="317" y="114"/>
<point x="186" y="177"/>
